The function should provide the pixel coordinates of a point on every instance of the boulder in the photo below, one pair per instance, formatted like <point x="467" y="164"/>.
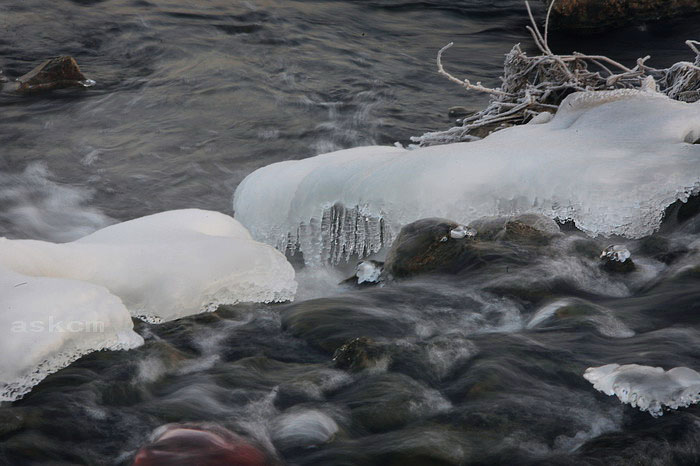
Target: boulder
<point x="591" y="16"/>
<point x="55" y="73"/>
<point x="358" y="354"/>
<point x="203" y="445"/>
<point x="428" y="245"/>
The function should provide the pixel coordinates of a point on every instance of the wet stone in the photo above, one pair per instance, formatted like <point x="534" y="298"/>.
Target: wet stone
<point x="431" y="245"/>
<point x="358" y="354"/>
<point x="55" y="73"/>
<point x="617" y="259"/>
<point x="591" y="16"/>
<point x="203" y="445"/>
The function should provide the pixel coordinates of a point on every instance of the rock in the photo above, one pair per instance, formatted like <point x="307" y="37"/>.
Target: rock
<point x="56" y="73"/>
<point x="203" y="445"/>
<point x="328" y="323"/>
<point x="526" y="228"/>
<point x="456" y="112"/>
<point x="617" y="259"/>
<point x="358" y="354"/>
<point x="428" y="245"/>
<point x="591" y="16"/>
<point x="388" y="401"/>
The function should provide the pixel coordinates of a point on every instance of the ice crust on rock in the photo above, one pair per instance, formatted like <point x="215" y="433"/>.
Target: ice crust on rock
<point x="611" y="161"/>
<point x="47" y="323"/>
<point x="164" y="266"/>
<point x="648" y="388"/>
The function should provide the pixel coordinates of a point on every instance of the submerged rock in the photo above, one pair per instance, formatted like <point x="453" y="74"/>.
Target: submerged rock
<point x="589" y="16"/>
<point x="358" y="354"/>
<point x="203" y="445"/>
<point x="55" y="73"/>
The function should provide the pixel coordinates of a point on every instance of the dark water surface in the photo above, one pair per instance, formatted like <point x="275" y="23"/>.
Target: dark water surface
<point x="192" y="96"/>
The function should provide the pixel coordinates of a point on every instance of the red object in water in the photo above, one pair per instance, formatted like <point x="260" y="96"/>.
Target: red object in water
<point x="185" y="445"/>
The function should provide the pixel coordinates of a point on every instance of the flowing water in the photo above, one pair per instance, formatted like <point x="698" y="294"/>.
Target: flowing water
<point x="481" y="368"/>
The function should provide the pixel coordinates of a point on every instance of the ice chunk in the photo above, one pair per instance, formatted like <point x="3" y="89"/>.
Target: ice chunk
<point x="610" y="161"/>
<point x="47" y="323"/>
<point x="164" y="266"/>
<point x="368" y="271"/>
<point x="616" y="252"/>
<point x="462" y="232"/>
<point x="647" y="388"/>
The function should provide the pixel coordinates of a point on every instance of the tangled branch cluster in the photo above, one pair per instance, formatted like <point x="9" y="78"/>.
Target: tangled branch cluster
<point x="533" y="85"/>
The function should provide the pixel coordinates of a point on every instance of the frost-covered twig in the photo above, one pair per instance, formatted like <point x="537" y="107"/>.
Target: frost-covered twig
<point x="531" y="85"/>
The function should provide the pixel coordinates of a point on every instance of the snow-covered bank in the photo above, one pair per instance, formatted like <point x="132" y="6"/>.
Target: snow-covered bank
<point x="164" y="266"/>
<point x="611" y="161"/>
<point x="47" y="323"/>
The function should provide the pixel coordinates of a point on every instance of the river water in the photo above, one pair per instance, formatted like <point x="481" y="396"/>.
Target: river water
<point x="193" y="96"/>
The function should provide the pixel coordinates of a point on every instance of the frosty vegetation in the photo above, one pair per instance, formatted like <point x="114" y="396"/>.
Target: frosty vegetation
<point x="533" y="87"/>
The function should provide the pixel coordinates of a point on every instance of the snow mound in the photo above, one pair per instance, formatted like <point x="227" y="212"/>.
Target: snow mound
<point x="611" y="161"/>
<point x="47" y="323"/>
<point x="647" y="388"/>
<point x="164" y="266"/>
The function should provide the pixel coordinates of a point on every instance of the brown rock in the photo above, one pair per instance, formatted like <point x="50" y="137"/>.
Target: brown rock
<point x="56" y="73"/>
<point x="589" y="16"/>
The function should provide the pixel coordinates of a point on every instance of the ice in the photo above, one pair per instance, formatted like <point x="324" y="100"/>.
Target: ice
<point x="616" y="253"/>
<point x="368" y="272"/>
<point x="462" y="231"/>
<point x="647" y="388"/>
<point x="611" y="161"/>
<point x="164" y="266"/>
<point x="47" y="323"/>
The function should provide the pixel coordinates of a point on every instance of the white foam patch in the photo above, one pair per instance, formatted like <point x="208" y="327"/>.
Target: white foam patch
<point x="164" y="266"/>
<point x="47" y="323"/>
<point x="648" y="388"/>
<point x="611" y="161"/>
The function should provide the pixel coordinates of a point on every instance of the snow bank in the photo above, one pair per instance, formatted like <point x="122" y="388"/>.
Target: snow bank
<point x="647" y="388"/>
<point x="47" y="323"/>
<point x="164" y="266"/>
<point x="611" y="161"/>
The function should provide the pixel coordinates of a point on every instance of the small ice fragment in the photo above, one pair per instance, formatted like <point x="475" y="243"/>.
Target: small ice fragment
<point x="616" y="252"/>
<point x="462" y="231"/>
<point x="88" y="83"/>
<point x="368" y="271"/>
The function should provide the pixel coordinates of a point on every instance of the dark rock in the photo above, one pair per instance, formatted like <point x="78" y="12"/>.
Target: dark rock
<point x="426" y="246"/>
<point x="683" y="216"/>
<point x="328" y="323"/>
<point x="531" y="229"/>
<point x="616" y="259"/>
<point x="203" y="445"/>
<point x="590" y="16"/>
<point x="56" y="73"/>
<point x="358" y="354"/>
<point x="661" y="249"/>
<point x="384" y="402"/>
<point x="456" y="112"/>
